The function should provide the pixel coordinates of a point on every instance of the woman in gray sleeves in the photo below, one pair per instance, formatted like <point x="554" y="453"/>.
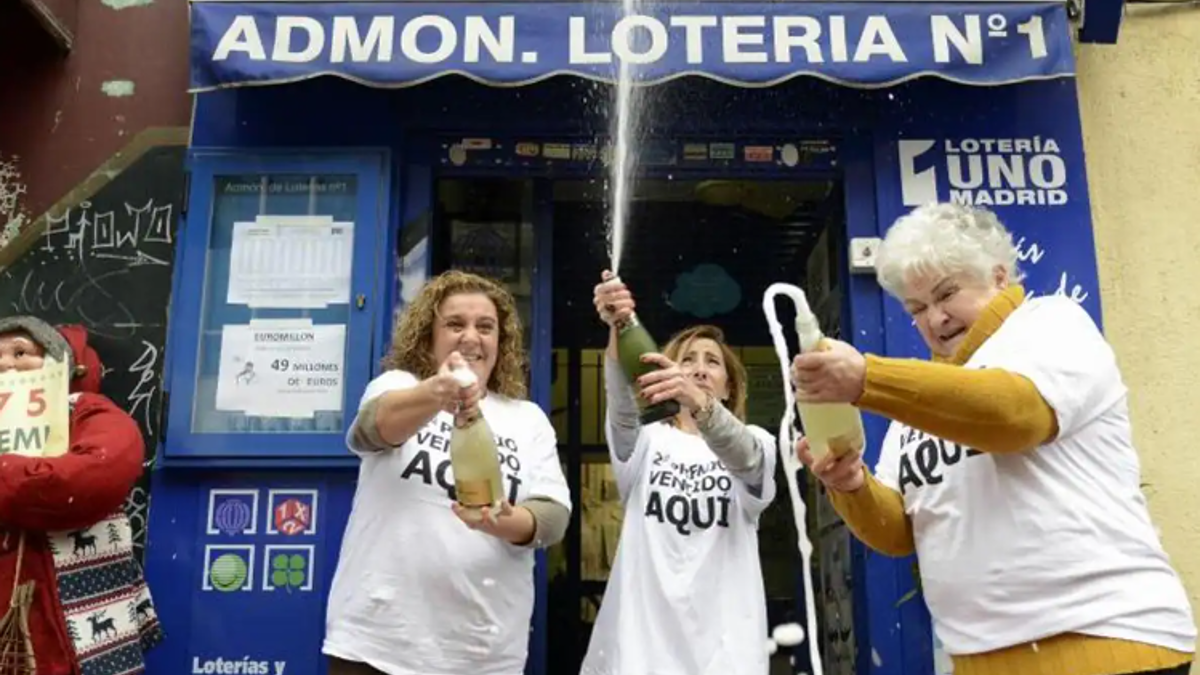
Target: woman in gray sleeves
<point x="686" y="592"/>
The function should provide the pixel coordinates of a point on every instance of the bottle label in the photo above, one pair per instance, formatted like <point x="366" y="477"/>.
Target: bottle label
<point x="840" y="446"/>
<point x="474" y="493"/>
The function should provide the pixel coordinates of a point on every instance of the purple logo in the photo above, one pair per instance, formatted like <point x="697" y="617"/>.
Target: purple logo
<point x="233" y="515"/>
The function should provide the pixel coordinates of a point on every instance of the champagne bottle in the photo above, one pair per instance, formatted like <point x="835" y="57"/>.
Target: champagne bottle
<point x="474" y="459"/>
<point x="633" y="340"/>
<point x="829" y="427"/>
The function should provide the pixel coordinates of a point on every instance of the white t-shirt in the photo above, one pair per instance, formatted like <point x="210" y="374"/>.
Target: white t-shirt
<point x="1019" y="547"/>
<point x="686" y="594"/>
<point x="416" y="591"/>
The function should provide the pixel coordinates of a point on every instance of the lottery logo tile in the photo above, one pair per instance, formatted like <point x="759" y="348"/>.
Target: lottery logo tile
<point x="228" y="568"/>
<point x="722" y="150"/>
<point x="232" y="512"/>
<point x="292" y="512"/>
<point x="759" y="153"/>
<point x="288" y="568"/>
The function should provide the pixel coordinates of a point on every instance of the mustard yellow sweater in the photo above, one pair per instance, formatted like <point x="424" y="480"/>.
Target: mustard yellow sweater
<point x="993" y="411"/>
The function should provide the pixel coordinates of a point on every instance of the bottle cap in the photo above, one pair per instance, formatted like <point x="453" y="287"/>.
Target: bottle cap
<point x="464" y="376"/>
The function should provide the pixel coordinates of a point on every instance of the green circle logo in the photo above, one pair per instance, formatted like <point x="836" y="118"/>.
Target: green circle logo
<point x="228" y="572"/>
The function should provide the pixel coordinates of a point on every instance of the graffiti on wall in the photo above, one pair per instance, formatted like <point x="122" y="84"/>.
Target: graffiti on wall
<point x="13" y="216"/>
<point x="106" y="262"/>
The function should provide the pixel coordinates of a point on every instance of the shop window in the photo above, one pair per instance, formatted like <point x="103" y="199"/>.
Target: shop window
<point x="272" y="265"/>
<point x="271" y="322"/>
<point x="697" y="251"/>
<point x="485" y="226"/>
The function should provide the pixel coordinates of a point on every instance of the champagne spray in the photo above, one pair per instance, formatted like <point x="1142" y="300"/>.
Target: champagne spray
<point x="806" y="325"/>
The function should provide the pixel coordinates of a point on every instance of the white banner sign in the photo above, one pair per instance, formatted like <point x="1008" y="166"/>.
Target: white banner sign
<point x="296" y="262"/>
<point x="35" y="411"/>
<point x="281" y="368"/>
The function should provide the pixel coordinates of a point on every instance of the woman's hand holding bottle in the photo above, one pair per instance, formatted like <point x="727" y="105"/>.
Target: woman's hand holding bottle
<point x="840" y="474"/>
<point x="452" y="395"/>
<point x="612" y="298"/>
<point x="670" y="382"/>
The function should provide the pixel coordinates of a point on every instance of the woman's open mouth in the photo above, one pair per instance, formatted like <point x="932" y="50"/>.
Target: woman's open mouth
<point x="951" y="337"/>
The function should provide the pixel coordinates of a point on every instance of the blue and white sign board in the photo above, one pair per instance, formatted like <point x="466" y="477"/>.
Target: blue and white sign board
<point x="246" y="582"/>
<point x="1029" y="169"/>
<point x="512" y="44"/>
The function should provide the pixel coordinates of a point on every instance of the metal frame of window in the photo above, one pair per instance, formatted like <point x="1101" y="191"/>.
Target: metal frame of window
<point x="233" y="450"/>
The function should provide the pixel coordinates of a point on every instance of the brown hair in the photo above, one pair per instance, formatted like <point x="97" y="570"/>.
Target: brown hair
<point x="412" y="340"/>
<point x="735" y="372"/>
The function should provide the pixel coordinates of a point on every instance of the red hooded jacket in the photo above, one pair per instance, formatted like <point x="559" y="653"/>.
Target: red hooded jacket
<point x="71" y="492"/>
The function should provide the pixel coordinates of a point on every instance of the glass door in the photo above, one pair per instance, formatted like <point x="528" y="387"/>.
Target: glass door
<point x="699" y="250"/>
<point x="486" y="226"/>
<point x="495" y="227"/>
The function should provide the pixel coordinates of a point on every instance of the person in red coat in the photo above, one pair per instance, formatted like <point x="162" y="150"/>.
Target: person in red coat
<point x="91" y="613"/>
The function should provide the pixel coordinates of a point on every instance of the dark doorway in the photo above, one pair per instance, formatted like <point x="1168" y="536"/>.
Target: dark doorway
<point x="697" y="251"/>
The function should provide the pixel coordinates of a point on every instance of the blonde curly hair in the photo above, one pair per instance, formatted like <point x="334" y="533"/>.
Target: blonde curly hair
<point x="735" y="371"/>
<point x="412" y="340"/>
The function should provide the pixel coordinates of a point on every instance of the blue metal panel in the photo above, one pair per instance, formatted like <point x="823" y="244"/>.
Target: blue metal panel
<point x="416" y="203"/>
<point x="1101" y="21"/>
<point x="541" y="352"/>
<point x="198" y="262"/>
<point x="880" y="635"/>
<point x="265" y="610"/>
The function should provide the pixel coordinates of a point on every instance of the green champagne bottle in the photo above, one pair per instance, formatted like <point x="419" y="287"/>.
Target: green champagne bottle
<point x="633" y="340"/>
<point x="475" y="460"/>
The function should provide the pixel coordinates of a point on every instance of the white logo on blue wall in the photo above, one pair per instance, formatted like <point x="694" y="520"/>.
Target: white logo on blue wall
<point x="983" y="171"/>
<point x="247" y="665"/>
<point x="706" y="291"/>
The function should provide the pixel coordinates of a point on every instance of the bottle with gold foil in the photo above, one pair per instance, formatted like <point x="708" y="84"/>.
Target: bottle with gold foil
<point x="474" y="459"/>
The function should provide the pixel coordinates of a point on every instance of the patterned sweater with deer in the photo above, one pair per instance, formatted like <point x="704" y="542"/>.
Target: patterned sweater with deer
<point x="106" y="604"/>
<point x="91" y="613"/>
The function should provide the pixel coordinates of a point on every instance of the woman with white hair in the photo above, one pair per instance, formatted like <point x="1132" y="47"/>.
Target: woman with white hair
<point x="1009" y="467"/>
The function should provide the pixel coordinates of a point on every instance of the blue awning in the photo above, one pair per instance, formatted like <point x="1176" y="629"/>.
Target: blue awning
<point x="399" y="44"/>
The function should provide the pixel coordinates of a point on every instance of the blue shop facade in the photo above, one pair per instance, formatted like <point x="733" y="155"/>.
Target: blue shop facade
<point x="341" y="153"/>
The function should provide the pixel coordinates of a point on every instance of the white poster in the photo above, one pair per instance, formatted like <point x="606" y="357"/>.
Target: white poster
<point x="281" y="368"/>
<point x="35" y="411"/>
<point x="290" y="262"/>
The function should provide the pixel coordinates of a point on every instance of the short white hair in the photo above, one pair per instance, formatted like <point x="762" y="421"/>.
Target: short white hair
<point x="944" y="239"/>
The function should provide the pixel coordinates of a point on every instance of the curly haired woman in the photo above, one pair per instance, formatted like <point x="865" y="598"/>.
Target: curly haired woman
<point x="1009" y="468"/>
<point x="418" y="590"/>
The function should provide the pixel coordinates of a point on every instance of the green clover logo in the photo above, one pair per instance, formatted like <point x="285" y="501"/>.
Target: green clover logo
<point x="289" y="571"/>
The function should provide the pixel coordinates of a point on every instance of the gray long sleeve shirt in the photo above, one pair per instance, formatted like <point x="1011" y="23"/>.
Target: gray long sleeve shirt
<point x="729" y="439"/>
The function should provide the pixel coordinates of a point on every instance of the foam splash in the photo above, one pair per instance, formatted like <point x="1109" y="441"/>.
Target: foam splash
<point x="464" y="376"/>
<point x="791" y="463"/>
<point x="788" y="635"/>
